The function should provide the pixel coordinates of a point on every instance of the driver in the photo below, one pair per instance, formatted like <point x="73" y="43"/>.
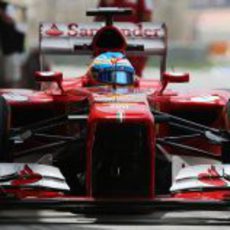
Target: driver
<point x="111" y="68"/>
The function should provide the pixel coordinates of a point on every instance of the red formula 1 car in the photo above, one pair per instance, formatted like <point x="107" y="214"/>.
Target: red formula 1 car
<point x="109" y="139"/>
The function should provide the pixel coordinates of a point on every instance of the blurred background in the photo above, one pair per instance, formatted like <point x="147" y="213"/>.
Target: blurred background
<point x="199" y="31"/>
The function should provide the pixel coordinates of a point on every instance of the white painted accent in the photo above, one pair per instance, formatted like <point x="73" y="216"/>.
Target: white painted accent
<point x="47" y="173"/>
<point x="208" y="98"/>
<point x="47" y="74"/>
<point x="178" y="162"/>
<point x="187" y="178"/>
<point x="120" y="115"/>
<point x="78" y="117"/>
<point x="15" y="97"/>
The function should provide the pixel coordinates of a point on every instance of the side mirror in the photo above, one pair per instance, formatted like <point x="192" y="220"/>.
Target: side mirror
<point x="173" y="77"/>
<point x="49" y="76"/>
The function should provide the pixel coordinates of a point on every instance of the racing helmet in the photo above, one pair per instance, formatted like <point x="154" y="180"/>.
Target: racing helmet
<point x="111" y="68"/>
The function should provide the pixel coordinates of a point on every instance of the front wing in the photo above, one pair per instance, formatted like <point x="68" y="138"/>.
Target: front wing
<point x="37" y="186"/>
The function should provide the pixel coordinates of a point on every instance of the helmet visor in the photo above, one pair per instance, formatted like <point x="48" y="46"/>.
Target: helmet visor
<point x="116" y="77"/>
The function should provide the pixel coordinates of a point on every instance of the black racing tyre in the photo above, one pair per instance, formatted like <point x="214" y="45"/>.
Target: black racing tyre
<point x="4" y="131"/>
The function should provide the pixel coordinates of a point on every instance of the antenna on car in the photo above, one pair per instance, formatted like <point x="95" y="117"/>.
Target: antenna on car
<point x="108" y="13"/>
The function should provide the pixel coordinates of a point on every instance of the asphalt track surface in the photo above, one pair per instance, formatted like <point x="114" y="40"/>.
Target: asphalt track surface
<point x="43" y="220"/>
<point x="218" y="78"/>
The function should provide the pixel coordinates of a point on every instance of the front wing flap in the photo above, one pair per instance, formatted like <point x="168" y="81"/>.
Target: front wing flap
<point x="31" y="176"/>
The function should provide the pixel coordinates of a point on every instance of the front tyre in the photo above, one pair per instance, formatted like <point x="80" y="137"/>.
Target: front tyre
<point x="4" y="131"/>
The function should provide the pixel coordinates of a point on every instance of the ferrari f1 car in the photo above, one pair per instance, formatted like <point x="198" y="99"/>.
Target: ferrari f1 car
<point x="109" y="139"/>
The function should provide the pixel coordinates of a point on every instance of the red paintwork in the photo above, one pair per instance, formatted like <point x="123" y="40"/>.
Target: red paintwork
<point x="133" y="112"/>
<point x="211" y="177"/>
<point x="126" y="105"/>
<point x="29" y="193"/>
<point x="26" y="176"/>
<point x="54" y="31"/>
<point x="204" y="195"/>
<point x="105" y="105"/>
<point x="121" y="47"/>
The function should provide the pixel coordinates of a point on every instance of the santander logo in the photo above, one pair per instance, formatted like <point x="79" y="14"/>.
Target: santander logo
<point x="54" y="31"/>
<point x="77" y="30"/>
<point x="212" y="177"/>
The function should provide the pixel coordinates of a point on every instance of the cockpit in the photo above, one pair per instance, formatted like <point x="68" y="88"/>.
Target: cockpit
<point x="111" y="68"/>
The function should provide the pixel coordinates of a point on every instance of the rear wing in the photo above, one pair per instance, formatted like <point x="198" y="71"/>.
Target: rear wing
<point x="75" y="38"/>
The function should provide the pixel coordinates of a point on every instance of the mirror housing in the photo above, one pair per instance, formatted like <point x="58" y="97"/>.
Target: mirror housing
<point x="173" y="77"/>
<point x="50" y="76"/>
